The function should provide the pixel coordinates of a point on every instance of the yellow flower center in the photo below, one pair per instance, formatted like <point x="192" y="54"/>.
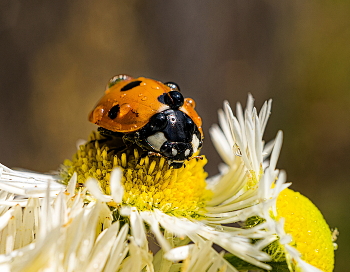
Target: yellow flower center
<point x="310" y="233"/>
<point x="148" y="182"/>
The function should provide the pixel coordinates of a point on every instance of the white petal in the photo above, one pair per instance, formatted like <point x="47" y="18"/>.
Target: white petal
<point x="137" y="228"/>
<point x="276" y="150"/>
<point x="72" y="184"/>
<point x="119" y="250"/>
<point x="4" y="219"/>
<point x="178" y="226"/>
<point x="28" y="183"/>
<point x="101" y="249"/>
<point x="178" y="253"/>
<point x="150" y="218"/>
<point x="117" y="189"/>
<point x="92" y="185"/>
<point x="221" y="144"/>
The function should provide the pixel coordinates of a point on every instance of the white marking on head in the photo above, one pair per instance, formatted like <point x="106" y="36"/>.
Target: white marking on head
<point x="163" y="108"/>
<point x="156" y="140"/>
<point x="187" y="152"/>
<point x="195" y="143"/>
<point x="172" y="161"/>
<point x="173" y="151"/>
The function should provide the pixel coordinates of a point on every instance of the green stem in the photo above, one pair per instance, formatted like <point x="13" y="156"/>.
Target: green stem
<point x="241" y="265"/>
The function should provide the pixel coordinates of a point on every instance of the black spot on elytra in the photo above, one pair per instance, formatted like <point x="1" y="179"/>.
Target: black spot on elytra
<point x="113" y="112"/>
<point x="131" y="85"/>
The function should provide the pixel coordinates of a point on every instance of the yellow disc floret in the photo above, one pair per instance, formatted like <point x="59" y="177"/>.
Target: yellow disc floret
<point x="148" y="182"/>
<point x="310" y="233"/>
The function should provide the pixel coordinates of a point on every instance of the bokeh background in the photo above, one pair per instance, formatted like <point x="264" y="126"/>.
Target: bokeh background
<point x="57" y="56"/>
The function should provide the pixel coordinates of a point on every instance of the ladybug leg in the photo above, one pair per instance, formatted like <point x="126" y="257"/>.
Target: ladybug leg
<point x="143" y="155"/>
<point x="108" y="136"/>
<point x="117" y="149"/>
<point x="197" y="158"/>
<point x="149" y="153"/>
<point x="154" y="154"/>
<point x="128" y="139"/>
<point x="106" y="132"/>
<point x="102" y="141"/>
<point x="115" y="141"/>
<point x="125" y="144"/>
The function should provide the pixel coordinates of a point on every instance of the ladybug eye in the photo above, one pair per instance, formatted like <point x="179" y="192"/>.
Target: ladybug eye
<point x="173" y="86"/>
<point x="114" y="80"/>
<point x="168" y="149"/>
<point x="158" y="121"/>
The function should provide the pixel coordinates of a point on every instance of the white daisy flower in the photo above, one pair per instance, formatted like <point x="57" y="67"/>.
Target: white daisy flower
<point x="101" y="218"/>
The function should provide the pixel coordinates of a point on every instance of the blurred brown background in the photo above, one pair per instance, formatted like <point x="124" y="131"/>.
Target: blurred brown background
<point x="57" y="56"/>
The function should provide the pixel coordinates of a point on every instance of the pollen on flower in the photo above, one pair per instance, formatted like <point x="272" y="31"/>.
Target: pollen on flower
<point x="252" y="181"/>
<point x="149" y="182"/>
<point x="310" y="232"/>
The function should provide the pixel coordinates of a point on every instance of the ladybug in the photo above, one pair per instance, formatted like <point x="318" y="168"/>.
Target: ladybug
<point x="151" y="114"/>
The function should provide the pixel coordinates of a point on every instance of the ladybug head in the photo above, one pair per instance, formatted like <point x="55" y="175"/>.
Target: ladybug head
<point x="172" y="134"/>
